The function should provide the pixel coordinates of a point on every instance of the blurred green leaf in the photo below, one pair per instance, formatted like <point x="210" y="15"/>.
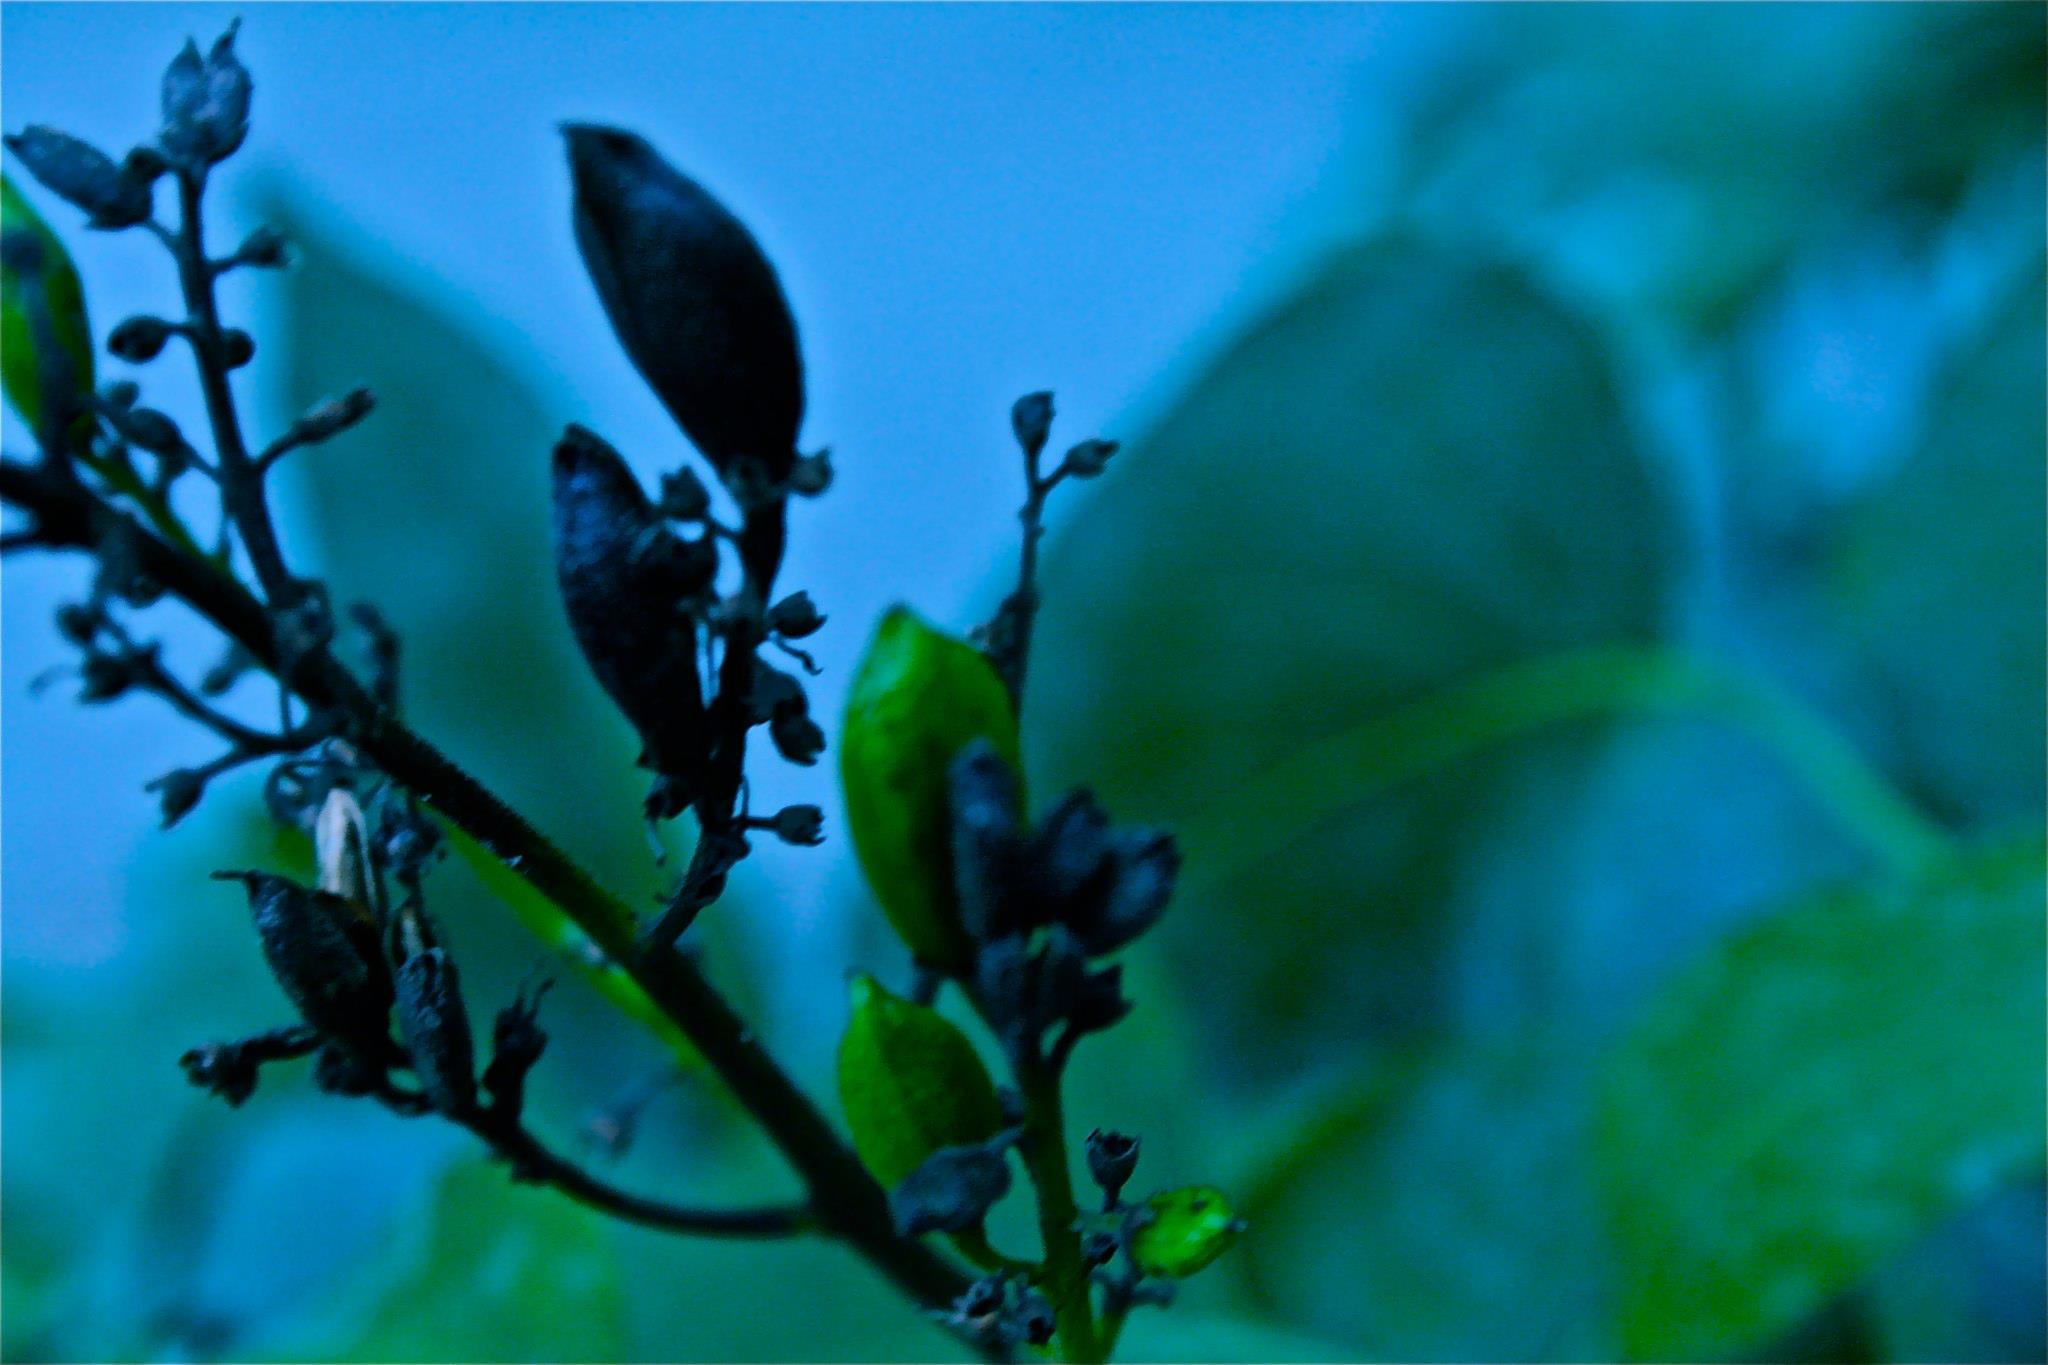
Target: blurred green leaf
<point x="1941" y="579"/>
<point x="63" y="301"/>
<point x="1413" y="471"/>
<point x="1181" y="1335"/>
<point x="503" y="1272"/>
<point x="1819" y="1090"/>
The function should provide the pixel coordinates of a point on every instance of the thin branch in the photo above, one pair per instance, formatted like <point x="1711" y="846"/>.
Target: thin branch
<point x="846" y="1201"/>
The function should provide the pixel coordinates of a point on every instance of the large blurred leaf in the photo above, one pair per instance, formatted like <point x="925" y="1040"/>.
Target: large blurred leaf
<point x="1817" y="1091"/>
<point x="1414" y="470"/>
<point x="1442" y="1210"/>
<point x="502" y="1272"/>
<point x="1942" y="580"/>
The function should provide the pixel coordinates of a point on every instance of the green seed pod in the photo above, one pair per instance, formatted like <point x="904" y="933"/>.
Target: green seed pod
<point x="1184" y="1230"/>
<point x="910" y="1083"/>
<point x="917" y="699"/>
<point x="38" y="279"/>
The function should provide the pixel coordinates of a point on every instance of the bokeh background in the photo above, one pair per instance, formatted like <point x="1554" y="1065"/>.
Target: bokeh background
<point x="1575" y="581"/>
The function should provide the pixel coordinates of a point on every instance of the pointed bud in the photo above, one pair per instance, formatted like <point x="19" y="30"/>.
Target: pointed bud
<point x="178" y="791"/>
<point x="796" y="737"/>
<point x="1088" y="459"/>
<point x="205" y="103"/>
<point x="811" y="475"/>
<point x="693" y="300"/>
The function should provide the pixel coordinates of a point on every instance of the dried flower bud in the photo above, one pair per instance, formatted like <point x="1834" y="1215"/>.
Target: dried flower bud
<point x="1088" y="459"/>
<point x="105" y="676"/>
<point x="1034" y="1318"/>
<point x="796" y="737"/>
<point x="78" y="623"/>
<point x="238" y="348"/>
<point x="83" y="176"/>
<point x="139" y="338"/>
<point x="517" y="1042"/>
<point x="795" y="616"/>
<point x="951" y="1190"/>
<point x="811" y="474"/>
<point x="684" y="496"/>
<point x="1145" y="865"/>
<point x="178" y="791"/>
<point x="205" y="103"/>
<point x="1112" y="1158"/>
<point x="694" y="302"/>
<point x="984" y="800"/>
<point x="433" y="1022"/>
<point x="802" y="825"/>
<point x="225" y="1069"/>
<point x="620" y="571"/>
<point x="773" y="692"/>
<point x="1031" y="420"/>
<point x="1098" y="1249"/>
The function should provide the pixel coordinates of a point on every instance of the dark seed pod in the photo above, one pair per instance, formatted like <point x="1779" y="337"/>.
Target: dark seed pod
<point x="795" y="616"/>
<point x="623" y="576"/>
<point x="323" y="950"/>
<point x="694" y="301"/>
<point x="433" y="1022"/>
<point x="83" y="176"/>
<point x="1088" y="459"/>
<point x="983" y="799"/>
<point x="139" y="338"/>
<point x="237" y="347"/>
<point x="701" y="315"/>
<point x="206" y="103"/>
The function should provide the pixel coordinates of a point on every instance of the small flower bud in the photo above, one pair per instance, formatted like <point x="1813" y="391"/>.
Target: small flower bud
<point x="1098" y="1249"/>
<point x="106" y="677"/>
<point x="1112" y="1157"/>
<point x="225" y="1069"/>
<point x="1034" y="1318"/>
<point x="151" y="430"/>
<point x="121" y="393"/>
<point x="517" y="1042"/>
<point x="772" y="693"/>
<point x="1031" y="420"/>
<point x="205" y="103"/>
<point x="144" y="163"/>
<point x="238" y="348"/>
<point x="795" y="616"/>
<point x="178" y="791"/>
<point x="139" y="339"/>
<point x="797" y="737"/>
<point x="83" y="176"/>
<point x="684" y="496"/>
<point x="1089" y="458"/>
<point x="77" y="623"/>
<point x="811" y="474"/>
<point x="264" y="248"/>
<point x="333" y="416"/>
<point x="802" y="825"/>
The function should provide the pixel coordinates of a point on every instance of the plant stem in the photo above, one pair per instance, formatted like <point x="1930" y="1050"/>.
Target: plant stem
<point x="1044" y="1149"/>
<point x="845" y="1199"/>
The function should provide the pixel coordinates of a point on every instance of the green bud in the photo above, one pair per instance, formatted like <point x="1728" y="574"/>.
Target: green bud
<point x="1184" y="1230"/>
<point x="910" y="1083"/>
<point x="42" y="272"/>
<point x="918" y="698"/>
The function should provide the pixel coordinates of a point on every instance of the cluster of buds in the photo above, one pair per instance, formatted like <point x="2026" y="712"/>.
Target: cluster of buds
<point x="1136" y="1251"/>
<point x="701" y="315"/>
<point x="1001" y="1312"/>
